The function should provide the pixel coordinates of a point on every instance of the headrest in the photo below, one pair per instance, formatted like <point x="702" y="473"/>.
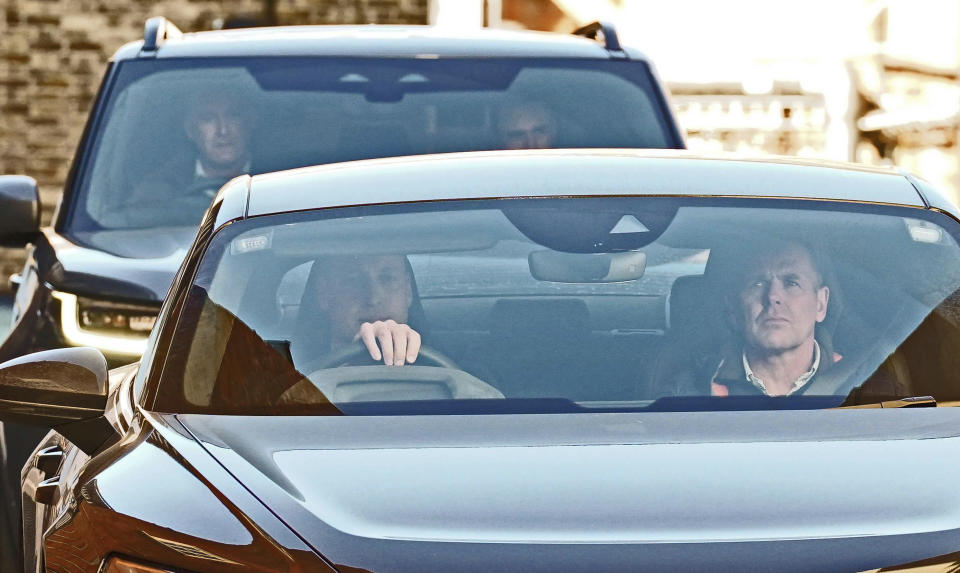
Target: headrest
<point x="695" y="307"/>
<point x="371" y="140"/>
<point x="686" y="297"/>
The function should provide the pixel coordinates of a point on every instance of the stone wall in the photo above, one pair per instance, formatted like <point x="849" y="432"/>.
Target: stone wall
<point x="53" y="54"/>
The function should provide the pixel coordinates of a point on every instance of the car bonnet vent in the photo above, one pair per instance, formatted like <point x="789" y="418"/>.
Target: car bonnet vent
<point x="603" y="32"/>
<point x="156" y="31"/>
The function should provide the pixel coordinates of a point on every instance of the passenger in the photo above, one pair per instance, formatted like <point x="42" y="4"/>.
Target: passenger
<point x="776" y="304"/>
<point x="526" y="125"/>
<point x="776" y="299"/>
<point x="371" y="298"/>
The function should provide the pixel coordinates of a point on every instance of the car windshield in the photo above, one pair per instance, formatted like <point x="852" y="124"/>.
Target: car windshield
<point x="605" y="304"/>
<point x="173" y="131"/>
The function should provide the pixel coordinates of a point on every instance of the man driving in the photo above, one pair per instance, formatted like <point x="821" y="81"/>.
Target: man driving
<point x="370" y="298"/>
<point x="219" y="128"/>
<point x="217" y="125"/>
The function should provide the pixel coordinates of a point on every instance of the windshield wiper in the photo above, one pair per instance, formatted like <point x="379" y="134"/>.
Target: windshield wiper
<point x="909" y="402"/>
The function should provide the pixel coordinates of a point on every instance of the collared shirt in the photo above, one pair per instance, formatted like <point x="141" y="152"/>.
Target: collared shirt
<point x="199" y="174"/>
<point x="797" y="384"/>
<point x="730" y="376"/>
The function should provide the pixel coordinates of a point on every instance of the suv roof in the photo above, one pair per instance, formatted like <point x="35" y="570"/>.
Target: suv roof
<point x="375" y="41"/>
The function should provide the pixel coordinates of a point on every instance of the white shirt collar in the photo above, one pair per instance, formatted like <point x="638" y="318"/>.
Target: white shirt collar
<point x="797" y="384"/>
<point x="200" y="173"/>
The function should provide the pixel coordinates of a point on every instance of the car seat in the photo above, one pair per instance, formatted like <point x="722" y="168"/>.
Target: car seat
<point x="696" y="328"/>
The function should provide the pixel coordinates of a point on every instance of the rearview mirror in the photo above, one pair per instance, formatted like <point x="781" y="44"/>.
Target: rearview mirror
<point x="555" y="266"/>
<point x="64" y="389"/>
<point x="19" y="210"/>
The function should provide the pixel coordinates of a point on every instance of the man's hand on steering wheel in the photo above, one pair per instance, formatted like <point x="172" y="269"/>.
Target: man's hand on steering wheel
<point x="390" y="341"/>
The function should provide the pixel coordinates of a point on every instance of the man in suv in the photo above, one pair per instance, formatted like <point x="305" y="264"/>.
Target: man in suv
<point x="309" y="95"/>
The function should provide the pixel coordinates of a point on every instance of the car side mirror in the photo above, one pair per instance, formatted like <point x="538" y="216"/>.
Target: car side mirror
<point x="19" y="210"/>
<point x="63" y="389"/>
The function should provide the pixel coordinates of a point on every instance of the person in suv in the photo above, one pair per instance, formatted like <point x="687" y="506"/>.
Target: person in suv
<point x="320" y="94"/>
<point x="218" y="126"/>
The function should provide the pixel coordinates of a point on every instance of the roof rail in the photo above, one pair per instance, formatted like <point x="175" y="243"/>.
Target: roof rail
<point x="605" y="32"/>
<point x="156" y="31"/>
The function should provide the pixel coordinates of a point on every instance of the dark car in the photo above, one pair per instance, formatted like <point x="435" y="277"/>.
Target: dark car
<point x="180" y="114"/>
<point x="556" y="402"/>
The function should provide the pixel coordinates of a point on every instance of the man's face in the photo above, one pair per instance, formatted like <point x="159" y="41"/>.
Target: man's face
<point x="218" y="128"/>
<point x="355" y="290"/>
<point x="527" y="127"/>
<point x="782" y="300"/>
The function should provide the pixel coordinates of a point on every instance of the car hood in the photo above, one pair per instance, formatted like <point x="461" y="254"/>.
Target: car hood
<point x="136" y="264"/>
<point x="810" y="490"/>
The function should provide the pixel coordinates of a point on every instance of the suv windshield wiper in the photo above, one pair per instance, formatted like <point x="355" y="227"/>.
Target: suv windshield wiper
<point x="909" y="402"/>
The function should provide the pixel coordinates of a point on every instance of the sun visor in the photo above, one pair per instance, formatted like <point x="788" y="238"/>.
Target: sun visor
<point x="404" y="233"/>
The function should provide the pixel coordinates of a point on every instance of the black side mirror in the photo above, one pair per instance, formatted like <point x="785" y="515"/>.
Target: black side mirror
<point x="64" y="389"/>
<point x="19" y="210"/>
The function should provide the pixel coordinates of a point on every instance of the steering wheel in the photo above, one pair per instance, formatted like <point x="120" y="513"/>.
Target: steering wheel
<point x="379" y="382"/>
<point x="359" y="352"/>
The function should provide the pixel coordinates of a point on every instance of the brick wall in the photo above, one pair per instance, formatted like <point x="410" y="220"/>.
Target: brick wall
<point x="53" y="54"/>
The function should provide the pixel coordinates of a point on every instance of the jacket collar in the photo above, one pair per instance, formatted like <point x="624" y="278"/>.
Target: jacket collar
<point x="731" y="373"/>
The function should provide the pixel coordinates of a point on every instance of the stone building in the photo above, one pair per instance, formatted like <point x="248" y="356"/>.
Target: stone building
<point x="759" y="101"/>
<point x="53" y="54"/>
<point x="911" y="83"/>
<point x="723" y="117"/>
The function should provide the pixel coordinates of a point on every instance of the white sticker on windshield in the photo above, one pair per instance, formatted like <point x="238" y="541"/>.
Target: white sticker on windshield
<point x="251" y="243"/>
<point x="923" y="231"/>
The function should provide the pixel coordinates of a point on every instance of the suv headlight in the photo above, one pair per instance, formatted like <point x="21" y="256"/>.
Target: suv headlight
<point x="115" y="328"/>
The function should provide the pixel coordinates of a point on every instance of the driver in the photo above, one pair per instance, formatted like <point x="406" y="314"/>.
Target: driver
<point x="218" y="125"/>
<point x="370" y="298"/>
<point x="219" y="128"/>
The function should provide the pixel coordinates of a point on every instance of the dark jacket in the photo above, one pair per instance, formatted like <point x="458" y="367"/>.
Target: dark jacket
<point x="172" y="195"/>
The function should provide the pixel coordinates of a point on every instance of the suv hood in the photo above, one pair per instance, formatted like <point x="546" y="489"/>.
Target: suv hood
<point x="846" y="491"/>
<point x="136" y="264"/>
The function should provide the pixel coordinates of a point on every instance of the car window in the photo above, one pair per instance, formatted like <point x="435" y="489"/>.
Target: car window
<point x="630" y="304"/>
<point x="174" y="131"/>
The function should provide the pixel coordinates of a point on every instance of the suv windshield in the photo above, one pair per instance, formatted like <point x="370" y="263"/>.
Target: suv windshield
<point x="566" y="305"/>
<point x="175" y="130"/>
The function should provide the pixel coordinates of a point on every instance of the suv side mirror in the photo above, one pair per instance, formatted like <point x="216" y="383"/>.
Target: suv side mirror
<point x="19" y="210"/>
<point x="64" y="389"/>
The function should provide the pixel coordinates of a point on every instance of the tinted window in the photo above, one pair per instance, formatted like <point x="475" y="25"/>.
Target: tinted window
<point x="629" y="304"/>
<point x="174" y="131"/>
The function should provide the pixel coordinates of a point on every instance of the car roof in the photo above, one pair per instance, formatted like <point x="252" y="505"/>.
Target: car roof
<point x="562" y="172"/>
<point x="373" y="41"/>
